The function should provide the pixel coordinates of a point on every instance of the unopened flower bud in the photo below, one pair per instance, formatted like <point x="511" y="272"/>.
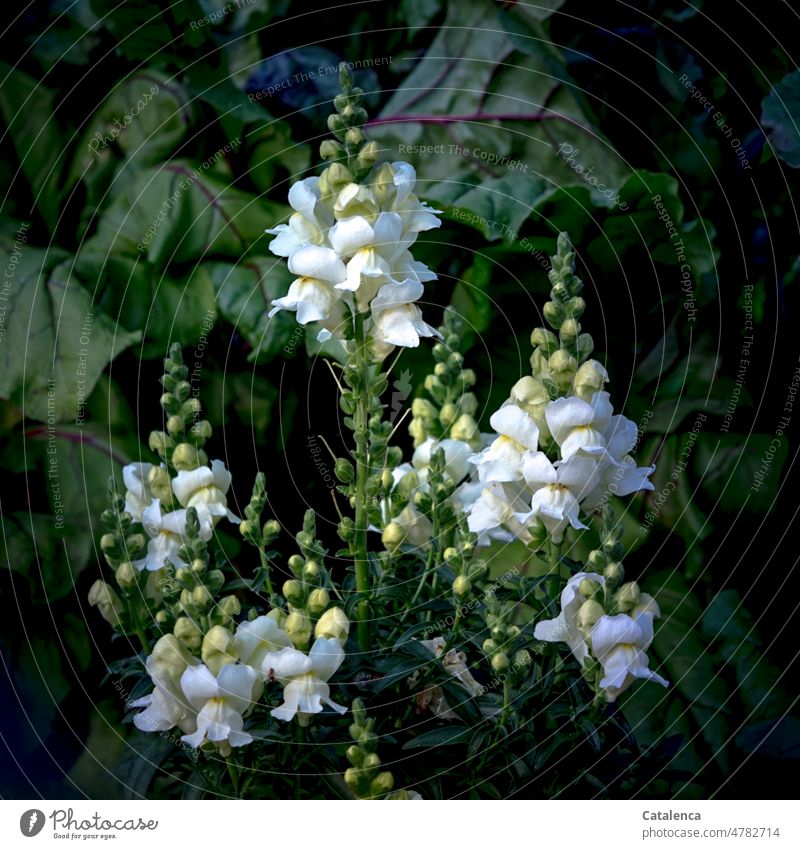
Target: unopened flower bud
<point x="369" y="154"/>
<point x="333" y="623"/>
<point x="448" y="414"/>
<point x="589" y="613"/>
<point x="627" y="596"/>
<point x="311" y="571"/>
<point x="500" y="662"/>
<point x="588" y="588"/>
<point x="647" y="604"/>
<point x="614" y="573"/>
<point x="126" y="575"/>
<point x="381" y="784"/>
<point x="318" y="600"/>
<point x="187" y="457"/>
<point x="298" y="629"/>
<point x="175" y="425"/>
<point x="105" y="599"/>
<point x="218" y="649"/>
<point x="229" y="607"/>
<point x="188" y="633"/>
<point x="465" y="428"/>
<point x="343" y="469"/>
<point x="522" y="658"/>
<point x="542" y="338"/>
<point x="330" y="149"/>
<point x="393" y="535"/>
<point x="354" y="137"/>
<point x="597" y="560"/>
<point x="293" y="593"/>
<point x="462" y="586"/>
<point x="589" y="379"/>
<point x="569" y="331"/>
<point x="158" y="441"/>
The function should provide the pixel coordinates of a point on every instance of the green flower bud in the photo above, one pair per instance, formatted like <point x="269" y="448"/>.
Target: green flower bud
<point x="294" y="593"/>
<point x="522" y="658"/>
<point x="462" y="586"/>
<point x="383" y="185"/>
<point x="393" y="536"/>
<point x="465" y="428"/>
<point x="627" y="596"/>
<point x="218" y="649"/>
<point x="201" y="430"/>
<point x="369" y="154"/>
<point x="188" y="633"/>
<point x="311" y="571"/>
<point x="569" y="331"/>
<point x="330" y="149"/>
<point x="343" y="469"/>
<point x="542" y="338"/>
<point x="354" y="137"/>
<point x="500" y="662"/>
<point x="127" y="576"/>
<point x="175" y="425"/>
<point x="588" y="588"/>
<point x="490" y="647"/>
<point x="159" y="441"/>
<point x="187" y="457"/>
<point x="614" y="573"/>
<point x="318" y="600"/>
<point x="589" y="379"/>
<point x="589" y="612"/>
<point x="597" y="560"/>
<point x="105" y="599"/>
<point x="381" y="784"/>
<point x="298" y="629"/>
<point x="448" y="414"/>
<point x="553" y="313"/>
<point x="229" y="607"/>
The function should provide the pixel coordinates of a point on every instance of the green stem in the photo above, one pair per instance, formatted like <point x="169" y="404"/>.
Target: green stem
<point x="234" y="775"/>
<point x="265" y="566"/>
<point x="555" y="565"/>
<point x="362" y="472"/>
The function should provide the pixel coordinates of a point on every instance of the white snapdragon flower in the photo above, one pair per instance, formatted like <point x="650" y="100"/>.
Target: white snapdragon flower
<point x="579" y="426"/>
<point x="305" y="678"/>
<point x="166" y="706"/>
<point x="518" y="435"/>
<point x="565" y="627"/>
<point x="167" y="532"/>
<point x="417" y="216"/>
<point x="456" y="459"/>
<point x="308" y="225"/>
<point x="138" y="493"/>
<point x="221" y="701"/>
<point x="205" y="489"/>
<point x="396" y="319"/>
<point x="313" y="295"/>
<point x="558" y="489"/>
<point x="495" y="513"/>
<point x="620" y="643"/>
<point x="255" y="639"/>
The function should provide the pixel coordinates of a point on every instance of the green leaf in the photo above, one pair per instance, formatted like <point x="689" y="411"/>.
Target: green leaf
<point x="728" y="464"/>
<point x="483" y="124"/>
<point x="182" y="213"/>
<point x="55" y="343"/>
<point x="244" y="294"/>
<point x="145" y="117"/>
<point x="448" y="735"/>
<point x="695" y="703"/>
<point x="780" y="113"/>
<point x="29" y="111"/>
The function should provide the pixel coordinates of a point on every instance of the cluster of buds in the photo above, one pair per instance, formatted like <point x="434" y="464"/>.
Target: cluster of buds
<point x="450" y="410"/>
<point x="469" y="571"/>
<point x="196" y="609"/>
<point x="306" y="595"/>
<point x="503" y="635"/>
<point x="258" y="533"/>
<point x="346" y="124"/>
<point x="365" y="778"/>
<point x="180" y="446"/>
<point x="556" y="358"/>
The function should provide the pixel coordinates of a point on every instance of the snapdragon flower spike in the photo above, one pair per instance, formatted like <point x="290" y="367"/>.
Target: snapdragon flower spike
<point x="350" y="250"/>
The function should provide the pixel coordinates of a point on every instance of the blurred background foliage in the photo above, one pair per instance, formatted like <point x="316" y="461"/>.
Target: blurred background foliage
<point x="236" y="109"/>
